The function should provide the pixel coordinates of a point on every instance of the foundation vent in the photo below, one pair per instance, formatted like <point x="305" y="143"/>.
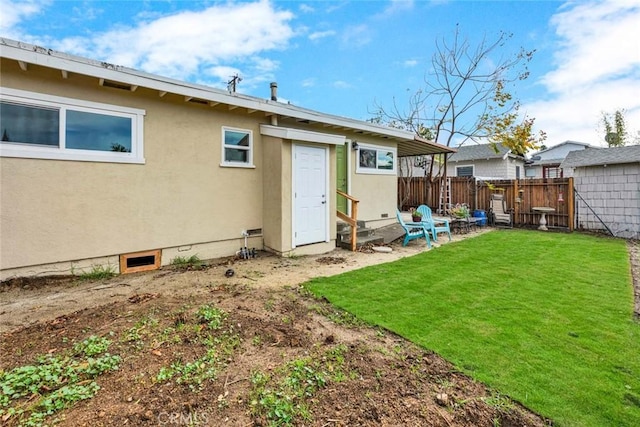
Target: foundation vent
<point x="140" y="261"/>
<point x="254" y="232"/>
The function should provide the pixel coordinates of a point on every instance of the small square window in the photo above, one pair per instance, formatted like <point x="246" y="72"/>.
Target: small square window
<point x="237" y="147"/>
<point x="464" y="170"/>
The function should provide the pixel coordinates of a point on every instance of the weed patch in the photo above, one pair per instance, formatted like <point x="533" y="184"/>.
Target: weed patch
<point x="187" y="263"/>
<point x="98" y="272"/>
<point x="32" y="393"/>
<point x="284" y="396"/>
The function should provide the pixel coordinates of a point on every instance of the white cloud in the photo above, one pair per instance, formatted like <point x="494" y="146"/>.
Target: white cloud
<point x="341" y="84"/>
<point x="305" y="8"/>
<point x="600" y="40"/>
<point x="410" y="63"/>
<point x="597" y="68"/>
<point x="223" y="72"/>
<point x="14" y="12"/>
<point x="310" y="82"/>
<point x="399" y="6"/>
<point x="183" y="44"/>
<point x="356" y="36"/>
<point x="85" y="13"/>
<point x="321" y="34"/>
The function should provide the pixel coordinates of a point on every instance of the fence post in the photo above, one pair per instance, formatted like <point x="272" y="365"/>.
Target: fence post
<point x="516" y="206"/>
<point x="571" y="204"/>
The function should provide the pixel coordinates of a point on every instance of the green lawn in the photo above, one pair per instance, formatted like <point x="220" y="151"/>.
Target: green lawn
<point x="546" y="318"/>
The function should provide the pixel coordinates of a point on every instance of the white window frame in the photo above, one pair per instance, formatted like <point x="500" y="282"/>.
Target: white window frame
<point x="376" y="171"/>
<point x="225" y="163"/>
<point x="62" y="104"/>
<point x="473" y="170"/>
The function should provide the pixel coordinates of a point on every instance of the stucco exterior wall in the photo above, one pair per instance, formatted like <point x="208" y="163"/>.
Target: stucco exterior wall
<point x="613" y="192"/>
<point x="373" y="190"/>
<point x="67" y="210"/>
<point x="276" y="200"/>
<point x="57" y="216"/>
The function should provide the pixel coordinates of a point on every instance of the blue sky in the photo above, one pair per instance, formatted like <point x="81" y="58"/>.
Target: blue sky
<point x="344" y="57"/>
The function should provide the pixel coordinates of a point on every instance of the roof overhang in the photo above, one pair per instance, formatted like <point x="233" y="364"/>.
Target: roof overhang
<point x="27" y="55"/>
<point x="421" y="147"/>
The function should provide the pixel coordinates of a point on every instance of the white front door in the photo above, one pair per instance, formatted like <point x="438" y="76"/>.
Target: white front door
<point x="310" y="204"/>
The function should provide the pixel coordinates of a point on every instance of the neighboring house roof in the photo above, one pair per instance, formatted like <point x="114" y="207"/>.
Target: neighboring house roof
<point x="25" y="54"/>
<point x="556" y="154"/>
<point x="479" y="152"/>
<point x="602" y="156"/>
<point x="557" y="146"/>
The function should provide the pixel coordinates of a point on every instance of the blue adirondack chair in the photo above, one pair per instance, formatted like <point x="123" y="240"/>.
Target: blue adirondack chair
<point x="434" y="226"/>
<point x="413" y="230"/>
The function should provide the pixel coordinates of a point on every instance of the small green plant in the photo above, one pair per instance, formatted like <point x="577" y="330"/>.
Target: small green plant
<point x="217" y="349"/>
<point x="192" y="262"/>
<point x="282" y="399"/>
<point x="98" y="272"/>
<point x="500" y="402"/>
<point x="92" y="346"/>
<point x="459" y="211"/>
<point x="212" y="316"/>
<point x="32" y="393"/>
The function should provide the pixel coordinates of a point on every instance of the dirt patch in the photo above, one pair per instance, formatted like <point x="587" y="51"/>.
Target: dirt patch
<point x="378" y="378"/>
<point x="27" y="301"/>
<point x="270" y="329"/>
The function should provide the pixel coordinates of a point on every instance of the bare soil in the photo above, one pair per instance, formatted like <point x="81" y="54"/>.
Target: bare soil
<point x="387" y="380"/>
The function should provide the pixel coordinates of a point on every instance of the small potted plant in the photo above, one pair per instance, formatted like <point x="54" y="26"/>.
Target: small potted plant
<point x="460" y="211"/>
<point x="416" y="216"/>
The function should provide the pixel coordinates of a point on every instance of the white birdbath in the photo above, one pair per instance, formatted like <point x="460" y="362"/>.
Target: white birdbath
<point x="543" y="210"/>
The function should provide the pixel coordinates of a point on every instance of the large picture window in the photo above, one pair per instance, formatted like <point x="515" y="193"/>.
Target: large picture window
<point x="50" y="127"/>
<point x="237" y="147"/>
<point x="376" y="160"/>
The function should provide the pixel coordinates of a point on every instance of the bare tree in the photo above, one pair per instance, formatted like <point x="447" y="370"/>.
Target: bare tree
<point x="465" y="94"/>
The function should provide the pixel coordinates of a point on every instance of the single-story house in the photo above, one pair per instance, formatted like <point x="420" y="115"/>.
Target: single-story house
<point x="546" y="163"/>
<point x="607" y="184"/>
<point x="105" y="165"/>
<point x="482" y="161"/>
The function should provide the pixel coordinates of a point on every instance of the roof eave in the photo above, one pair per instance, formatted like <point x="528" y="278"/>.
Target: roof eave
<point x="30" y="54"/>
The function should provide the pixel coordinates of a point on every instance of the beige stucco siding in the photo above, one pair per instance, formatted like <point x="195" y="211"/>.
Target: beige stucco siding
<point x="377" y="194"/>
<point x="54" y="211"/>
<point x="276" y="193"/>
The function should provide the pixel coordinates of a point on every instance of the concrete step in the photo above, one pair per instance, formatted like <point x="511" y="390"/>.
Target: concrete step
<point x="360" y="232"/>
<point x="343" y="226"/>
<point x="362" y="240"/>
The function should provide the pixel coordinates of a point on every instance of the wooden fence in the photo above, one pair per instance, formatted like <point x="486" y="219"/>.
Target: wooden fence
<point x="520" y="194"/>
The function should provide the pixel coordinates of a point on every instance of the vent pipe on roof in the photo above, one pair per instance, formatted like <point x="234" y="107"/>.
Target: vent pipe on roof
<point x="274" y="91"/>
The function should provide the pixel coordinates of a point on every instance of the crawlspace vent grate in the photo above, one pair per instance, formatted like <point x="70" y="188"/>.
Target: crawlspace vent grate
<point x="140" y="261"/>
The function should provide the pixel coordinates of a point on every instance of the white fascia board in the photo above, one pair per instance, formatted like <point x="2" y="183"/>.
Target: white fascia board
<point x="102" y="70"/>
<point x="302" y="135"/>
